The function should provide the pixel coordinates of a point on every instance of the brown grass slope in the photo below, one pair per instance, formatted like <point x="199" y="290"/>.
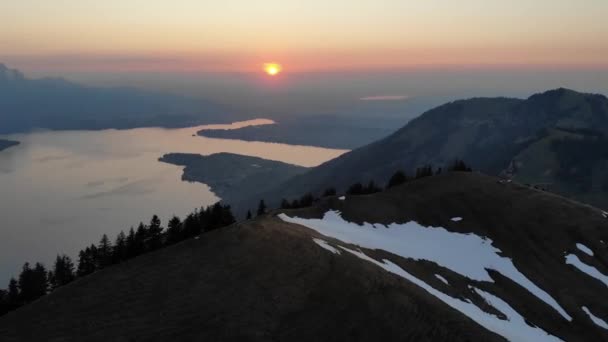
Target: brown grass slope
<point x="265" y="279"/>
<point x="261" y="280"/>
<point x="534" y="228"/>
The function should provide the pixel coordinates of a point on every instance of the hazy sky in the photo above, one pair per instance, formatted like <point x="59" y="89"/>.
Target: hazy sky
<point x="307" y="35"/>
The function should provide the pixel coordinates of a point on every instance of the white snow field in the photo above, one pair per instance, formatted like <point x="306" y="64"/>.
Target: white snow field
<point x="325" y="245"/>
<point x="584" y="249"/>
<point x="467" y="254"/>
<point x="442" y="279"/>
<point x="598" y="321"/>
<point x="456" y="219"/>
<point x="573" y="260"/>
<point x="513" y="329"/>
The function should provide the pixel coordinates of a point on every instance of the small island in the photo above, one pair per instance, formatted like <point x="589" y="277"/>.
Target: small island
<point x="4" y="144"/>
<point x="233" y="177"/>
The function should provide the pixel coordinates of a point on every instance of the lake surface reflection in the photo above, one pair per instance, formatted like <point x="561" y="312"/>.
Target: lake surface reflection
<point x="60" y="190"/>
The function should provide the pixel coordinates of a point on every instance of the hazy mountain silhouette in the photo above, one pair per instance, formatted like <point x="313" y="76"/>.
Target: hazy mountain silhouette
<point x="54" y="103"/>
<point x="494" y="135"/>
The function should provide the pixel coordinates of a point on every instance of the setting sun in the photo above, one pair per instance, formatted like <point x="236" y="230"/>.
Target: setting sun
<point x="272" y="69"/>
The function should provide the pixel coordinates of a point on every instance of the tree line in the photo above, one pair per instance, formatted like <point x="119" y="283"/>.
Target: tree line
<point x="36" y="281"/>
<point x="398" y="178"/>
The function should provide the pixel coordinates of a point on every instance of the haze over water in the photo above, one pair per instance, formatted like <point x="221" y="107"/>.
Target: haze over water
<point x="61" y="190"/>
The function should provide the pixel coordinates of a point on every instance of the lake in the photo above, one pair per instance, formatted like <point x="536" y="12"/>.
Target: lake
<point x="61" y="190"/>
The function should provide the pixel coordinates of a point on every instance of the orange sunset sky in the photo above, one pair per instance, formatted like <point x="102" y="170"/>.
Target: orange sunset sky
<point x="313" y="35"/>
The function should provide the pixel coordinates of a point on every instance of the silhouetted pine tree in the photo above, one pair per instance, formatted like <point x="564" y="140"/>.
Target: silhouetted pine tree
<point x="398" y="178"/>
<point x="306" y="200"/>
<point x="4" y="306"/>
<point x="191" y="227"/>
<point x="424" y="171"/>
<point x="120" y="251"/>
<point x="104" y="252"/>
<point x="131" y="244"/>
<point x="141" y="234"/>
<point x="261" y="208"/>
<point x="372" y="188"/>
<point x="62" y="273"/>
<point x="33" y="282"/>
<point x="459" y="165"/>
<point x="87" y="263"/>
<point x="248" y="217"/>
<point x="13" y="295"/>
<point x="285" y="204"/>
<point x="174" y="230"/>
<point x="154" y="240"/>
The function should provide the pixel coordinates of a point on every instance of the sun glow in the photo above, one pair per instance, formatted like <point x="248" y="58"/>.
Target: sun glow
<point x="272" y="69"/>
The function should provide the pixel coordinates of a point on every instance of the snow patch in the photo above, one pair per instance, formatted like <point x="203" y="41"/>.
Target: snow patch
<point x="255" y="165"/>
<point x="456" y="219"/>
<point x="514" y="329"/>
<point x="442" y="279"/>
<point x="598" y="321"/>
<point x="467" y="254"/>
<point x="584" y="249"/>
<point x="342" y="198"/>
<point x="591" y="271"/>
<point x="325" y="245"/>
<point x="605" y="214"/>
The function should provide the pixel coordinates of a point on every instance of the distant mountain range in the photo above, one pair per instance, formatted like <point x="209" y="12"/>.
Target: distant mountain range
<point x="455" y="257"/>
<point x="556" y="140"/>
<point x="53" y="103"/>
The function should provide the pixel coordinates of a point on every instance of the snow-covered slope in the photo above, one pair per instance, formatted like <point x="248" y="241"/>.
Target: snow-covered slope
<point x="527" y="265"/>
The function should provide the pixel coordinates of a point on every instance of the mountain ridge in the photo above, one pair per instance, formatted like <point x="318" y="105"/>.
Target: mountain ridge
<point x="489" y="133"/>
<point x="220" y="285"/>
<point x="56" y="103"/>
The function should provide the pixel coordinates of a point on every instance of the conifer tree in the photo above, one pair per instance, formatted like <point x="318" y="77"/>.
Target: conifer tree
<point x="154" y="239"/>
<point x="119" y="252"/>
<point x="62" y="273"/>
<point x="398" y="178"/>
<point x="33" y="282"/>
<point x="261" y="208"/>
<point x="104" y="252"/>
<point x="13" y="295"/>
<point x="174" y="230"/>
<point x="141" y="234"/>
<point x="131" y="244"/>
<point x="248" y="217"/>
<point x="285" y="204"/>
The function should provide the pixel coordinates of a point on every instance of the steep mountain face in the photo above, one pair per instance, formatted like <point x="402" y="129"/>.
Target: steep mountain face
<point x="458" y="257"/>
<point x="58" y="104"/>
<point x="488" y="133"/>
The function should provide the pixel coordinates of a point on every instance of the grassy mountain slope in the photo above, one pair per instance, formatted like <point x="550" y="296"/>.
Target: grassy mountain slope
<point x="533" y="228"/>
<point x="266" y="279"/>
